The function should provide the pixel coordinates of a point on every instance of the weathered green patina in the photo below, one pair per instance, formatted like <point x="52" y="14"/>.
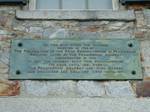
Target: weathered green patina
<point x="76" y="58"/>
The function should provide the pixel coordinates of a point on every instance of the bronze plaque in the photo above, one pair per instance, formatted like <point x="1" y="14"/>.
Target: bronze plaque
<point x="98" y="59"/>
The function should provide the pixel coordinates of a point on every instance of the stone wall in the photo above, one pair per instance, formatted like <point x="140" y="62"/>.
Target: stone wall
<point x="11" y="28"/>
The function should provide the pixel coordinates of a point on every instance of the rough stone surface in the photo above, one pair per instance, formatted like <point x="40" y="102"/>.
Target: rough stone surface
<point x="90" y="88"/>
<point x="140" y="33"/>
<point x="35" y="29"/>
<point x="119" y="89"/>
<point x="143" y="89"/>
<point x="140" y="22"/>
<point x="147" y="17"/>
<point x="145" y="57"/>
<point x="51" y="88"/>
<point x="4" y="56"/>
<point x="74" y="105"/>
<point x="117" y="34"/>
<point x="9" y="88"/>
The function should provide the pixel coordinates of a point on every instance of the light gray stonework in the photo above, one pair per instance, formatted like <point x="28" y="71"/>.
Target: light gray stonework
<point x="90" y="89"/>
<point x="77" y="15"/>
<point x="74" y="105"/>
<point x="119" y="89"/>
<point x="76" y="89"/>
<point x="147" y="17"/>
<point x="49" y="88"/>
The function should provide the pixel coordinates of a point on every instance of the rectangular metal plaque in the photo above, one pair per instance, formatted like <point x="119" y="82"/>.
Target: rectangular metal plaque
<point x="75" y="59"/>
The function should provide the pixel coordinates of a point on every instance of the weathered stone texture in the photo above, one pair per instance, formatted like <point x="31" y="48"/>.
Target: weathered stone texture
<point x="147" y="17"/>
<point x="119" y="89"/>
<point x="6" y="20"/>
<point x="107" y="26"/>
<point x="62" y="29"/>
<point x="90" y="89"/>
<point x="4" y="59"/>
<point x="9" y="88"/>
<point x="142" y="33"/>
<point x="50" y="88"/>
<point x="145" y="55"/>
<point x="140" y="21"/>
<point x="77" y="89"/>
<point x="143" y="89"/>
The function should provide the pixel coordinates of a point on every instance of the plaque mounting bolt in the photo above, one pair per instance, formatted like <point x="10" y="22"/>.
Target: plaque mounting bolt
<point x="130" y="45"/>
<point x="20" y="44"/>
<point x="133" y="72"/>
<point x="18" y="72"/>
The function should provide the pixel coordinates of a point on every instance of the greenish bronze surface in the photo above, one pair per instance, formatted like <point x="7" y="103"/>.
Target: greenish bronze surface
<point x="75" y="59"/>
